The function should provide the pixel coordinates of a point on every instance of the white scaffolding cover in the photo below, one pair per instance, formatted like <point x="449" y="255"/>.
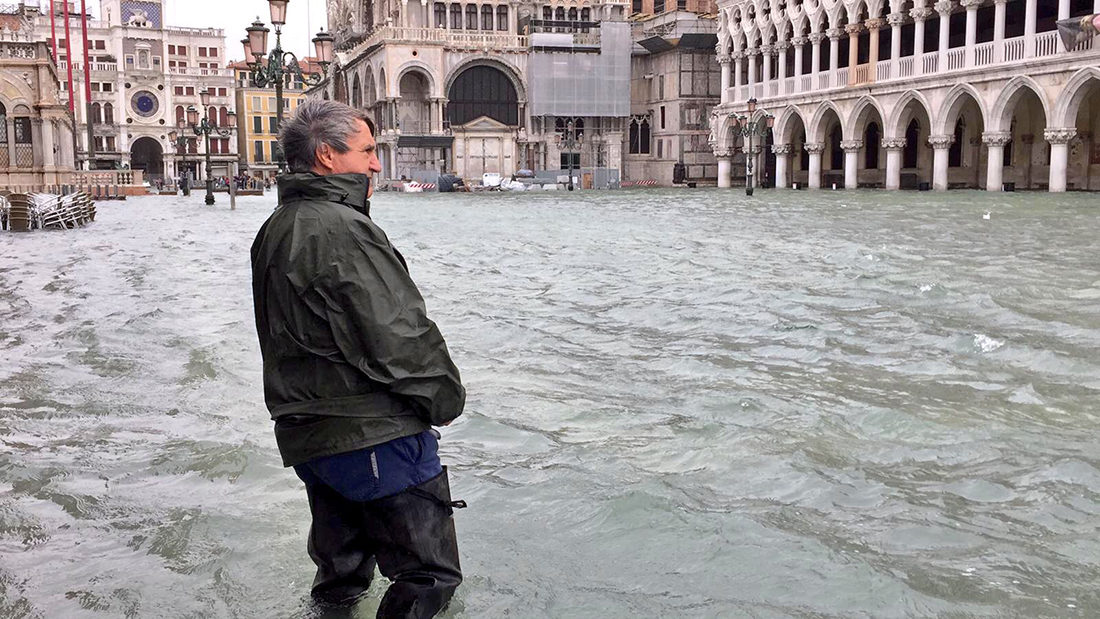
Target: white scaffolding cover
<point x="584" y="84"/>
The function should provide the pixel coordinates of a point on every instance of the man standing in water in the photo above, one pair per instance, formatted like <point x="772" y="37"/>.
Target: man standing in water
<point x="355" y="374"/>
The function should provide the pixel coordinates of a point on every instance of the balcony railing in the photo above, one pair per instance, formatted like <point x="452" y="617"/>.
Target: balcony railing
<point x="448" y="38"/>
<point x="959" y="59"/>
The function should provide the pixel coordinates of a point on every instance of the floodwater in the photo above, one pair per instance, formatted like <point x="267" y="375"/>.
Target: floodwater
<point x="681" y="404"/>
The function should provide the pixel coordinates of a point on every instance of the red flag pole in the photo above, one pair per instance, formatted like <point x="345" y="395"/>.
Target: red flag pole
<point x="69" y="58"/>
<point x="87" y="84"/>
<point x="53" y="29"/>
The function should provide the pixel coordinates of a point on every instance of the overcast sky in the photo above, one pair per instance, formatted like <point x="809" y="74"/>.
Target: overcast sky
<point x="304" y="19"/>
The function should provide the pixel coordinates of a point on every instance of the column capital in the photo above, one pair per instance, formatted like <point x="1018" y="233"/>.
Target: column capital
<point x="814" y="148"/>
<point x="738" y="55"/>
<point x="752" y="52"/>
<point x="850" y="145"/>
<point x="835" y="33"/>
<point x="725" y="59"/>
<point x="971" y="5"/>
<point x="1060" y="135"/>
<point x="724" y="153"/>
<point x="941" y="142"/>
<point x="897" y="20"/>
<point x="767" y="49"/>
<point x="895" y="143"/>
<point x="782" y="149"/>
<point x="853" y="29"/>
<point x="816" y="37"/>
<point x="799" y="41"/>
<point x="920" y="14"/>
<point x="945" y="7"/>
<point x="782" y="46"/>
<point x="1000" y="1"/>
<point x="875" y="23"/>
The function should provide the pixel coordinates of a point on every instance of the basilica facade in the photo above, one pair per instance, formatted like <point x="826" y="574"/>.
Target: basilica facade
<point x="909" y="93"/>
<point x="495" y="86"/>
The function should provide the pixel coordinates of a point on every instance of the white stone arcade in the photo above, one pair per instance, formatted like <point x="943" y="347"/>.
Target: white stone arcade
<point x="895" y="93"/>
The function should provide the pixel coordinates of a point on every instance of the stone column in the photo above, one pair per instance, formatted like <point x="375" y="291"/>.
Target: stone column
<point x="799" y="58"/>
<point x="893" y="148"/>
<point x="815" y="149"/>
<point x="1030" y="19"/>
<point x="944" y="8"/>
<point x="738" y="63"/>
<point x="782" y="48"/>
<point x="1063" y="9"/>
<point x="815" y="57"/>
<point x="919" y="17"/>
<point x="999" y="30"/>
<point x="36" y="135"/>
<point x="1059" y="139"/>
<point x="782" y="159"/>
<point x="725" y="167"/>
<point x="940" y="145"/>
<point x="751" y="55"/>
<point x="851" y="162"/>
<point x="896" y="20"/>
<point x="873" y="26"/>
<point x="853" y="31"/>
<point x="724" y="61"/>
<point x="767" y="50"/>
<point x="49" y="158"/>
<point x="834" y="53"/>
<point x="971" y="7"/>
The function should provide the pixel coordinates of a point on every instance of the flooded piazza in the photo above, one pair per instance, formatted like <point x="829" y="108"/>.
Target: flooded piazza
<point x="682" y="403"/>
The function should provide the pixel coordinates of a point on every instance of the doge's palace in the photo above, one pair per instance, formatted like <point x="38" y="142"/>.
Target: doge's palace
<point x="905" y="93"/>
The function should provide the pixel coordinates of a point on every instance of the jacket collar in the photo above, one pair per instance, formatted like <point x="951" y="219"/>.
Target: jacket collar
<point x="347" y="189"/>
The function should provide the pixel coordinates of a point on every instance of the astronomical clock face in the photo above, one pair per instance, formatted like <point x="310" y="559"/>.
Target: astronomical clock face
<point x="145" y="104"/>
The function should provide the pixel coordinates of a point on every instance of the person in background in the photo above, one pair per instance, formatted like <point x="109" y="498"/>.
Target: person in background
<point x="355" y="374"/>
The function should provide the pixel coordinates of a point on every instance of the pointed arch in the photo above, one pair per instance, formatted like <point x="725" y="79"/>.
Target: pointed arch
<point x="816" y="129"/>
<point x="786" y="121"/>
<point x="1073" y="94"/>
<point x="944" y="122"/>
<point x="863" y="113"/>
<point x="1000" y="115"/>
<point x="899" y="117"/>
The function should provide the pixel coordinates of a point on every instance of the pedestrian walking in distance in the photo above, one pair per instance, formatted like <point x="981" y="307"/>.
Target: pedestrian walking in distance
<point x="355" y="374"/>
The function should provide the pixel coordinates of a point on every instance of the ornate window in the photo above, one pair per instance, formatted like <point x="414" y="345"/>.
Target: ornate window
<point x="456" y="17"/>
<point x="440" y="15"/>
<point x="108" y="114"/>
<point x="487" y="18"/>
<point x="639" y="136"/>
<point x="24" y="141"/>
<point x="471" y="17"/>
<point x="502" y="17"/>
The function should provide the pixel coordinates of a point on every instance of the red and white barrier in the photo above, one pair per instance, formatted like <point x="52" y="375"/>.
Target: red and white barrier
<point x="645" y="183"/>
<point x="418" y="187"/>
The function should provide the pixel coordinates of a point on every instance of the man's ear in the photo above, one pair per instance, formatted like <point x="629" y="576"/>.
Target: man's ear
<point x="324" y="157"/>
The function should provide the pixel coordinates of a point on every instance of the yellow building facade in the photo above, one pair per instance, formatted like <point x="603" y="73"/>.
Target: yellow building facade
<point x="257" y="124"/>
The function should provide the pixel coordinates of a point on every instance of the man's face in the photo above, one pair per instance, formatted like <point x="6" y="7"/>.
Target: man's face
<point x="361" y="158"/>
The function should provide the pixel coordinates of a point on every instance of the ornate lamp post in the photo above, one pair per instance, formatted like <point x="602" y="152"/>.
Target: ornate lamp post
<point x="204" y="128"/>
<point x="180" y="142"/>
<point x="748" y="128"/>
<point x="280" y="64"/>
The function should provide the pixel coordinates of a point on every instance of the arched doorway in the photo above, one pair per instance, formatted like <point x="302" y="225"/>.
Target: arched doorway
<point x="1027" y="155"/>
<point x="483" y="110"/>
<point x="147" y="155"/>
<point x="915" y="125"/>
<point x="414" y="105"/>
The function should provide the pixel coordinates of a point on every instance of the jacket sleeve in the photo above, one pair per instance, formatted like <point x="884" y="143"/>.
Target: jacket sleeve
<point x="380" y="325"/>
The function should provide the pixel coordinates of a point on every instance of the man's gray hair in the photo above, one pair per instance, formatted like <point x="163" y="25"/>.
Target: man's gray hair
<point x="316" y="122"/>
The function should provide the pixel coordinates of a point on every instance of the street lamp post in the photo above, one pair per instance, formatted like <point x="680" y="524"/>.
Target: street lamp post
<point x="281" y="64"/>
<point x="204" y="128"/>
<point x="747" y="127"/>
<point x="180" y="142"/>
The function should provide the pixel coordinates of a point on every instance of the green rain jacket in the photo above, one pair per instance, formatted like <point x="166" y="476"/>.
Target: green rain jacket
<point x="350" y="358"/>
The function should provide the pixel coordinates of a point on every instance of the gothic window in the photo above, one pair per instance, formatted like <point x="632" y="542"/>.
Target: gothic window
<point x="487" y="18"/>
<point x="912" y="145"/>
<point x="24" y="142"/>
<point x="108" y="114"/>
<point x="440" y="15"/>
<point x="223" y="117"/>
<point x="179" y="114"/>
<point x="955" y="153"/>
<point x="872" y="140"/>
<point x="502" y="17"/>
<point x="97" y="114"/>
<point x="586" y="14"/>
<point x="639" y="136"/>
<point x="456" y="17"/>
<point x="573" y="15"/>
<point x="547" y="13"/>
<point x="471" y="17"/>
